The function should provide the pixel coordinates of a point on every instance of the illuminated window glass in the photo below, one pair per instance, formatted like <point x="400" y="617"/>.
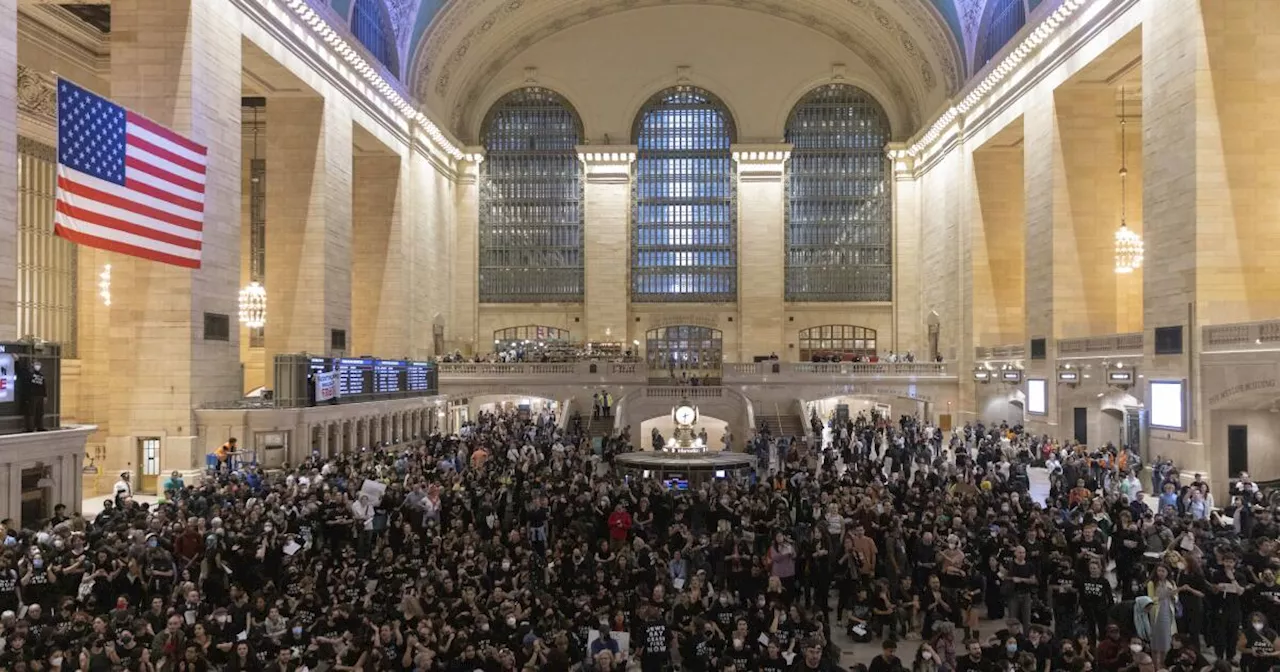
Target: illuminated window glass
<point x="839" y="214"/>
<point x="1006" y="18"/>
<point x="684" y="232"/>
<point x="47" y="264"/>
<point x="836" y="342"/>
<point x="371" y="24"/>
<point x="531" y="200"/>
<point x="684" y="348"/>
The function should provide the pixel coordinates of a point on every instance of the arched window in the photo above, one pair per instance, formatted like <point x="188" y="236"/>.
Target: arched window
<point x="684" y="236"/>
<point x="684" y="348"/>
<point x="371" y="24"/>
<point x="839" y="217"/>
<point x="836" y="342"/>
<point x="1004" y="19"/>
<point x="531" y="200"/>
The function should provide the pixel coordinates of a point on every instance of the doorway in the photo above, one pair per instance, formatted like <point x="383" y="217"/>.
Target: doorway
<point x="149" y="464"/>
<point x="1237" y="450"/>
<point x="1081" y="423"/>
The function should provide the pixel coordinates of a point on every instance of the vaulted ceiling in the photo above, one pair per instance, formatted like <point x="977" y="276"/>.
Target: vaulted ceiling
<point x="447" y="48"/>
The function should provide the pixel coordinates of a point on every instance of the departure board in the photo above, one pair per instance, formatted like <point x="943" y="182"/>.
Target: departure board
<point x="354" y="377"/>
<point x="419" y="377"/>
<point x="388" y="376"/>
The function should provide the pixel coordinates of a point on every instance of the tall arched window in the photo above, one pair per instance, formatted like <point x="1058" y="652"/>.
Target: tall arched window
<point x="839" y="218"/>
<point x="684" y="235"/>
<point x="371" y="24"/>
<point x="1004" y="19"/>
<point x="836" y="342"/>
<point x="531" y="200"/>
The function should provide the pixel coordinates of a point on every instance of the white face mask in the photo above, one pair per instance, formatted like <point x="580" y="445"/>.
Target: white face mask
<point x="1257" y="626"/>
<point x="56" y="662"/>
<point x="1135" y="647"/>
<point x="927" y="655"/>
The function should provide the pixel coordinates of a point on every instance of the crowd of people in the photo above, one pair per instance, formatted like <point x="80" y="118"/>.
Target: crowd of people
<point x="512" y="545"/>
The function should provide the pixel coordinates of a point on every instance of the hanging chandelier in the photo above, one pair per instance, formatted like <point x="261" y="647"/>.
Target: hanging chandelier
<point x="253" y="306"/>
<point x="1129" y="247"/>
<point x="104" y="285"/>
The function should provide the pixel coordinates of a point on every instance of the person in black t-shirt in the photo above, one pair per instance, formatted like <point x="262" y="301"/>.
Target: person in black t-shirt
<point x="1095" y="596"/>
<point x="655" y="640"/>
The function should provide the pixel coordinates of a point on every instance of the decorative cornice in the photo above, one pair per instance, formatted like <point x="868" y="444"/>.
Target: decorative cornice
<point x="40" y="150"/>
<point x="761" y="163"/>
<point x="607" y="164"/>
<point x="37" y="95"/>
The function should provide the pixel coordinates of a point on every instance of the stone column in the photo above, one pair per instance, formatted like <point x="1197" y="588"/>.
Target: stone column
<point x="762" y="243"/>
<point x="466" y="255"/>
<point x="380" y="285"/>
<point x="178" y="63"/>
<point x="1046" y="305"/>
<point x="606" y="241"/>
<point x="308" y="277"/>
<point x="8" y="169"/>
<point x="909" y="331"/>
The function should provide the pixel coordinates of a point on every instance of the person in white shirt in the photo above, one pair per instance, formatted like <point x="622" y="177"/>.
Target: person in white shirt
<point x="362" y="509"/>
<point x="123" y="487"/>
<point x="1131" y="487"/>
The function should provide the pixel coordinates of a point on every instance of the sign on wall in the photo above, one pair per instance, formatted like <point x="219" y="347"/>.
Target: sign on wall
<point x="8" y="378"/>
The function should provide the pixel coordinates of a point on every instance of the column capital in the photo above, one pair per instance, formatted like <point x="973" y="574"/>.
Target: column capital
<point x="469" y="164"/>
<point x="761" y="162"/>
<point x="904" y="164"/>
<point x="607" y="164"/>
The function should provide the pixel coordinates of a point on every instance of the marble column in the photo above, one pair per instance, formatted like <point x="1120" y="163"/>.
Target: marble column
<point x="308" y="279"/>
<point x="762" y="243"/>
<point x="607" y="218"/>
<point x="380" y="284"/>
<point x="465" y="298"/>
<point x="1047" y="303"/>
<point x="8" y="169"/>
<point x="177" y="62"/>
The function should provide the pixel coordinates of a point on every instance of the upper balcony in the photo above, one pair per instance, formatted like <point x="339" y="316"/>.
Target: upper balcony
<point x="638" y="373"/>
<point x="1240" y="337"/>
<point x="834" y="372"/>
<point x="566" y="373"/>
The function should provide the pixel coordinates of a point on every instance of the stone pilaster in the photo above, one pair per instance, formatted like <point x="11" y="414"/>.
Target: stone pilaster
<point x="606" y="239"/>
<point x="8" y="169"/>
<point x="761" y="248"/>
<point x="379" y="283"/>
<point x="1045" y="304"/>
<point x="177" y="62"/>
<point x="466" y="254"/>
<point x="909" y="328"/>
<point x="429" y="221"/>
<point x="308" y="225"/>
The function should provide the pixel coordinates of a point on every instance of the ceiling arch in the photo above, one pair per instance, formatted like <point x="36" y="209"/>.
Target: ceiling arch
<point x="909" y="44"/>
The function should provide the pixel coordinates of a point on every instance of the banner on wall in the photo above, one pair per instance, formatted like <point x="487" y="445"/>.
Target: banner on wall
<point x="326" y="386"/>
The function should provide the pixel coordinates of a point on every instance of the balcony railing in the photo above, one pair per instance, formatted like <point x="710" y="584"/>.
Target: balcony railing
<point x="1241" y="336"/>
<point x="1110" y="344"/>
<point x="562" y="369"/>
<point x="803" y="370"/>
<point x="683" y="392"/>
<point x="1015" y="351"/>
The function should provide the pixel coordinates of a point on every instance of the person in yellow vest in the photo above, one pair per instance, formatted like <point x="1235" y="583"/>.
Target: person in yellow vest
<point x="224" y="453"/>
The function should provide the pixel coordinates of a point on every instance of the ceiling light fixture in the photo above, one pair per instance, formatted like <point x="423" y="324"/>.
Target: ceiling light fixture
<point x="1129" y="247"/>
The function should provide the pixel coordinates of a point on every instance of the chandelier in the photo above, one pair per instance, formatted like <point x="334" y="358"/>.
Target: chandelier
<point x="253" y="306"/>
<point x="104" y="285"/>
<point x="1129" y="248"/>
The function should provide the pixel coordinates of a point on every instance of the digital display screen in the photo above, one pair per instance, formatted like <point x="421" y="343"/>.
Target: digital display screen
<point x="388" y="376"/>
<point x="1068" y="376"/>
<point x="418" y="376"/>
<point x="1037" y="400"/>
<point x="1120" y="376"/>
<point x="1168" y="405"/>
<point x="354" y="377"/>
<point x="1012" y="376"/>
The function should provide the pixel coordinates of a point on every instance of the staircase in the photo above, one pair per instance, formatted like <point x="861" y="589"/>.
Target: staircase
<point x="780" y="423"/>
<point x="598" y="427"/>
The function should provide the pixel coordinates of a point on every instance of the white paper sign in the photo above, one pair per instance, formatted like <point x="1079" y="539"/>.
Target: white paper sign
<point x="622" y="638"/>
<point x="860" y="630"/>
<point x="374" y="490"/>
<point x="326" y="385"/>
<point x="763" y="639"/>
<point x="291" y="547"/>
<point x="678" y="584"/>
<point x="788" y="656"/>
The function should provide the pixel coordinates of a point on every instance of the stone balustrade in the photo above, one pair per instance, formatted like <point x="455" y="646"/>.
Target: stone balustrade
<point x="1111" y="344"/>
<point x="1240" y="336"/>
<point x="998" y="352"/>
<point x="808" y="371"/>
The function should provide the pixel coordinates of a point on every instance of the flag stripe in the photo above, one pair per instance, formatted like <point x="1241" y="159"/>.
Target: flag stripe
<point x="89" y="217"/>
<point x="115" y="244"/>
<point x="104" y="210"/>
<point x="133" y="151"/>
<point x="141" y="186"/>
<point x="164" y="176"/>
<point x="164" y="153"/>
<point x="194" y="198"/>
<point x="73" y="186"/>
<point x="165" y="134"/>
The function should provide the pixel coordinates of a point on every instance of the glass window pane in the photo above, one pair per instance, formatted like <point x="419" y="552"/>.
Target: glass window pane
<point x="684" y="235"/>
<point x="839" y="217"/>
<point x="531" y="211"/>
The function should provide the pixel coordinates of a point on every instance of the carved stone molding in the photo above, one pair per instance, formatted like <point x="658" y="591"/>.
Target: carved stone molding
<point x="37" y="149"/>
<point x="37" y="95"/>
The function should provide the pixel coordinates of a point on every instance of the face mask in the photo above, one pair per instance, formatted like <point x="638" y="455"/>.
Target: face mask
<point x="511" y="621"/>
<point x="268" y="528"/>
<point x="1135" y="647"/>
<point x="953" y="545"/>
<point x="484" y="627"/>
<point x="38" y="563"/>
<point x="724" y="601"/>
<point x="1011" y="648"/>
<point x="1257" y="626"/>
<point x="927" y="655"/>
<point x="297" y="632"/>
<point x="152" y="543"/>
<point x="737" y="643"/>
<point x="56" y="662"/>
<point x="506" y="565"/>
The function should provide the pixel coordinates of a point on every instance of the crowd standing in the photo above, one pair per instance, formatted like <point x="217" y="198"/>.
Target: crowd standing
<point x="512" y="545"/>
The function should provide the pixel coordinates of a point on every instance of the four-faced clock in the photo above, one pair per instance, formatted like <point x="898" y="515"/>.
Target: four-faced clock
<point x="686" y="414"/>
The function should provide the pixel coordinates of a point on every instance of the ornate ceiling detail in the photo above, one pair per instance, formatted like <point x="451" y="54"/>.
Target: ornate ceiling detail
<point x="970" y="20"/>
<point x="912" y="72"/>
<point x="37" y="94"/>
<point x="403" y="14"/>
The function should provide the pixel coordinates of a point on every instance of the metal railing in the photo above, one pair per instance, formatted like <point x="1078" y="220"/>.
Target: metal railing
<point x="683" y="392"/>
<point x="837" y="369"/>
<point x="522" y="369"/>
<point x="1244" y="335"/>
<point x="1101" y="345"/>
<point x="1015" y="351"/>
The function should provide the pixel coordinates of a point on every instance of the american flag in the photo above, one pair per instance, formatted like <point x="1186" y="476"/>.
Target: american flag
<point x="125" y="183"/>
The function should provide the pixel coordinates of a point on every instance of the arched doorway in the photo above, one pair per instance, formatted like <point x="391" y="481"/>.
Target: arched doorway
<point x="533" y="343"/>
<point x="685" y="352"/>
